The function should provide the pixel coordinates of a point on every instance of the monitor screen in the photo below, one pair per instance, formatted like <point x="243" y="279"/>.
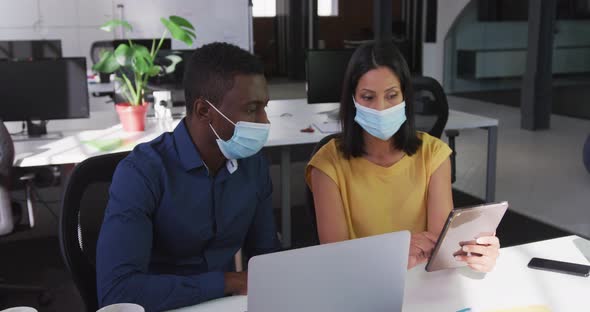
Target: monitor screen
<point x="43" y="89"/>
<point x="30" y="49"/>
<point x="173" y="63"/>
<point x="171" y="76"/>
<point x="325" y="74"/>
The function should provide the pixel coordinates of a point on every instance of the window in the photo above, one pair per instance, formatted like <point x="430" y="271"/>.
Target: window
<point x="264" y="8"/>
<point x="268" y="8"/>
<point x="328" y="7"/>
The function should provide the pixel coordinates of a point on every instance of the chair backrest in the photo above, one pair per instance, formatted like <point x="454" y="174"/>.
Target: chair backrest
<point x="430" y="99"/>
<point x="6" y="154"/>
<point x="97" y="47"/>
<point x="6" y="161"/>
<point x="84" y="203"/>
<point x="433" y="102"/>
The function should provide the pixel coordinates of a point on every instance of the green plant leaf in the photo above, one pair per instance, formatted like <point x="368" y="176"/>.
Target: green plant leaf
<point x="124" y="54"/>
<point x="139" y="50"/>
<point x="177" y="32"/>
<point x="107" y="64"/>
<point x="191" y="34"/>
<point x="181" y="22"/>
<point x="112" y="24"/>
<point x="142" y="61"/>
<point x="154" y="70"/>
<point x="140" y="65"/>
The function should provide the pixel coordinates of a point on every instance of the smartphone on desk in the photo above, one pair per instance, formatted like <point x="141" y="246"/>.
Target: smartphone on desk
<point x="560" y="267"/>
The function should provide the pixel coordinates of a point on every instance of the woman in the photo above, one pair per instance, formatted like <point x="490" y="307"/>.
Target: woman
<point x="382" y="175"/>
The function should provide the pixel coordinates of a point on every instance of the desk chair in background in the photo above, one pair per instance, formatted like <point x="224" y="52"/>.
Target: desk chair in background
<point x="96" y="49"/>
<point x="6" y="161"/>
<point x="7" y="208"/>
<point x="84" y="202"/>
<point x="432" y="113"/>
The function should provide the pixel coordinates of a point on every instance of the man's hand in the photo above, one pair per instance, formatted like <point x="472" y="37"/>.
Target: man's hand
<point x="421" y="246"/>
<point x="236" y="283"/>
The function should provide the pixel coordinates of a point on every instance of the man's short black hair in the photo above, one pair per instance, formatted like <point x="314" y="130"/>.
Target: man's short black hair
<point x="210" y="72"/>
<point x="367" y="57"/>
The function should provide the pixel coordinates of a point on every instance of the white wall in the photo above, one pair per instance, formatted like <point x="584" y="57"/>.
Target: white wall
<point x="433" y="52"/>
<point x="219" y="20"/>
<point x="77" y="22"/>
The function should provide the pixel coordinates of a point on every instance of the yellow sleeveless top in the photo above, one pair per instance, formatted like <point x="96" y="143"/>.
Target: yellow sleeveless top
<point x="377" y="199"/>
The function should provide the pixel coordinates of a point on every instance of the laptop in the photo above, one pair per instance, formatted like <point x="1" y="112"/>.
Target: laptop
<point x="366" y="274"/>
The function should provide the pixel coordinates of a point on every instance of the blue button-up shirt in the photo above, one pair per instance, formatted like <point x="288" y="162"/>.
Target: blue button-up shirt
<point x="171" y="229"/>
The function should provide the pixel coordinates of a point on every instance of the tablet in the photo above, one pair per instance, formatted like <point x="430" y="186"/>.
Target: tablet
<point x="464" y="226"/>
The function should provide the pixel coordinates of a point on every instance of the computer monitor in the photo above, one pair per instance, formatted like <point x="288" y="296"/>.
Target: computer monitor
<point x="43" y="90"/>
<point x="173" y="63"/>
<point x="30" y="49"/>
<point x="146" y="42"/>
<point x="325" y="71"/>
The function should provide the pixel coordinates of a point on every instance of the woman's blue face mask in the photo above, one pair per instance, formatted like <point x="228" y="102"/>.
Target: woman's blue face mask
<point x="382" y="124"/>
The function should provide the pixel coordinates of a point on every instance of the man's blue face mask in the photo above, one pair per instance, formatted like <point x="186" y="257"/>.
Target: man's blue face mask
<point x="382" y="124"/>
<point x="247" y="140"/>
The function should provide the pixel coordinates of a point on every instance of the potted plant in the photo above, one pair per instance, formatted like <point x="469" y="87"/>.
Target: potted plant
<point x="135" y="64"/>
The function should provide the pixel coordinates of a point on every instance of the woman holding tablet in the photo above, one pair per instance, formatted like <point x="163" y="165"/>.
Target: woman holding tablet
<point x="382" y="175"/>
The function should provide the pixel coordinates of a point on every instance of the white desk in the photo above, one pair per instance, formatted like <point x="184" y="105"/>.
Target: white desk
<point x="510" y="285"/>
<point x="287" y="117"/>
<point x="101" y="87"/>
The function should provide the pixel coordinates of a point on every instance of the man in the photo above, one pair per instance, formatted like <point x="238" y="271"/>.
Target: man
<point x="183" y="204"/>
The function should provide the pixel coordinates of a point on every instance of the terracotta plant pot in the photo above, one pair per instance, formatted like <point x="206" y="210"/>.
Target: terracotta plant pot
<point x="132" y="116"/>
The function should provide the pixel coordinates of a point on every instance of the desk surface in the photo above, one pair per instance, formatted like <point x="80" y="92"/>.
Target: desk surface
<point x="287" y="117"/>
<point x="510" y="285"/>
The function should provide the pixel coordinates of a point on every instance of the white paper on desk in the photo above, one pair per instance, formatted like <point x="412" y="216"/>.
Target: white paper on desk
<point x="328" y="126"/>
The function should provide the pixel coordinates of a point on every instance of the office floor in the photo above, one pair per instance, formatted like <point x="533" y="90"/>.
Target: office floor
<point x="540" y="173"/>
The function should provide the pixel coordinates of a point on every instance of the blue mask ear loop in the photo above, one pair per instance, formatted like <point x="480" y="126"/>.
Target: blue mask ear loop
<point x="215" y="132"/>
<point x="220" y="113"/>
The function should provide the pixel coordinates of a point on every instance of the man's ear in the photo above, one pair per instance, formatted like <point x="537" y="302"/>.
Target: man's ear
<point x="201" y="110"/>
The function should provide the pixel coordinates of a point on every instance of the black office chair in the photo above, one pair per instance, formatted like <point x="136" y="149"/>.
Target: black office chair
<point x="84" y="202"/>
<point x="430" y="101"/>
<point x="6" y="161"/>
<point x="96" y="49"/>
<point x="432" y="110"/>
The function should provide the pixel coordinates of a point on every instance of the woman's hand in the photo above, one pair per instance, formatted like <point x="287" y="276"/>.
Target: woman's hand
<point x="481" y="256"/>
<point x="421" y="246"/>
